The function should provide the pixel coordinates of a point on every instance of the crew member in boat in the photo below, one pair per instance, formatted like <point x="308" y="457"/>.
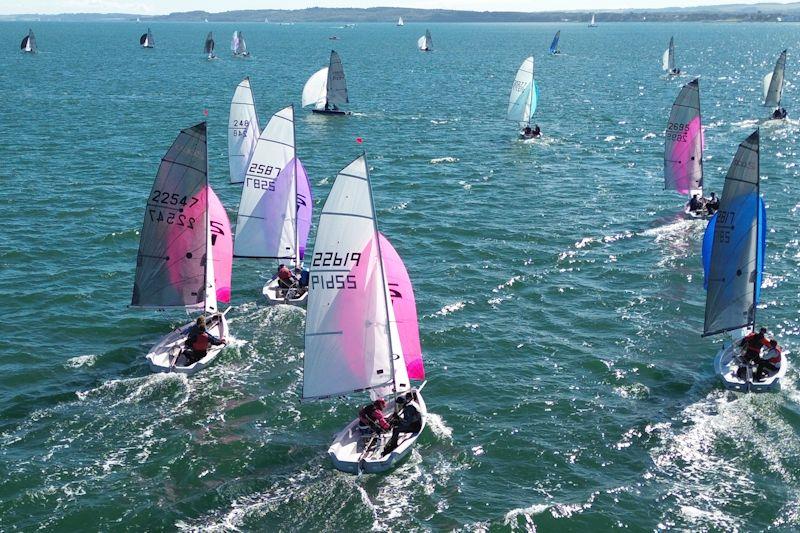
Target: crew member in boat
<point x="331" y="107"/>
<point x="779" y="114"/>
<point x="302" y="278"/>
<point x="712" y="204"/>
<point x="675" y="71"/>
<point x="752" y="345"/>
<point x="769" y="364"/>
<point x="695" y="204"/>
<point x="371" y="415"/>
<point x="408" y="420"/>
<point x="198" y="341"/>
<point x="286" y="280"/>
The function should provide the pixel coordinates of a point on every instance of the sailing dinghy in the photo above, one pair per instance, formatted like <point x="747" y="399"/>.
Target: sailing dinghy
<point x="523" y="99"/>
<point x="238" y="45"/>
<point x="184" y="258"/>
<point x="425" y="43"/>
<point x="554" y="45"/>
<point x="274" y="216"/>
<point x="146" y="40"/>
<point x="361" y="326"/>
<point x="208" y="48"/>
<point x="326" y="89"/>
<point x="28" y="43"/>
<point x="592" y="24"/>
<point x="683" y="147"/>
<point x="734" y="249"/>
<point x="400" y="22"/>
<point x="668" y="59"/>
<point x="243" y="131"/>
<point x="773" y="88"/>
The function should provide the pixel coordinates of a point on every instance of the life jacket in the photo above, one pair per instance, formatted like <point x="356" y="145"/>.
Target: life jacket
<point x="753" y="343"/>
<point x="201" y="342"/>
<point x="774" y="356"/>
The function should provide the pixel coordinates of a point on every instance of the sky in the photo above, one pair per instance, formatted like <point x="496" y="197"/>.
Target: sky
<point x="160" y="7"/>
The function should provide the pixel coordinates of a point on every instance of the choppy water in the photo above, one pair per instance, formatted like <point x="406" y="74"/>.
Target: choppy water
<point x="559" y="292"/>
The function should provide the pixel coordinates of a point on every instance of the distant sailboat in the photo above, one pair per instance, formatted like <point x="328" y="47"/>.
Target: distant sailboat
<point x="524" y="98"/>
<point x="208" y="48"/>
<point x="184" y="258"/>
<point x="734" y="251"/>
<point x="668" y="59"/>
<point x="274" y="216"/>
<point x="773" y="88"/>
<point x="137" y="19"/>
<point x="425" y="43"/>
<point x="146" y="40"/>
<point x="28" y="43"/>
<point x="683" y="146"/>
<point x="361" y="325"/>
<point x="266" y="20"/>
<point x="205" y="20"/>
<point x="592" y="24"/>
<point x="327" y="88"/>
<point x="400" y="22"/>
<point x="554" y="45"/>
<point x="238" y="45"/>
<point x="243" y="131"/>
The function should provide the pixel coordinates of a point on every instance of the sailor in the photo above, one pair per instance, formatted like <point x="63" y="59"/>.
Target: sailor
<point x="752" y="344"/>
<point x="372" y="415"/>
<point x="537" y="132"/>
<point x="527" y="132"/>
<point x="409" y="420"/>
<point x="695" y="204"/>
<point x="286" y="279"/>
<point x="304" y="275"/>
<point x="675" y="71"/>
<point x="198" y="341"/>
<point x="712" y="204"/>
<point x="769" y="364"/>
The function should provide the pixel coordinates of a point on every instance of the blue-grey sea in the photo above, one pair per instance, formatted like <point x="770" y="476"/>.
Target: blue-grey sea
<point x="559" y="290"/>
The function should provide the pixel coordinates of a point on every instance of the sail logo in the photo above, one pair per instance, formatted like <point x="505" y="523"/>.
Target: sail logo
<point x="394" y="291"/>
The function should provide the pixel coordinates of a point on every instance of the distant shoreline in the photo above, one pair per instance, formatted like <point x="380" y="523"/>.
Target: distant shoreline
<point x="770" y="12"/>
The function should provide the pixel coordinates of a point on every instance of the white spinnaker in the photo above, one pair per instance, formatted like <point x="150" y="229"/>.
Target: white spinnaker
<point x="315" y="89"/>
<point x="243" y="131"/>
<point x="337" y="85"/>
<point x="773" y="83"/>
<point x="347" y="337"/>
<point x="519" y="101"/>
<point x="665" y="60"/>
<point x="401" y="381"/>
<point x="274" y="151"/>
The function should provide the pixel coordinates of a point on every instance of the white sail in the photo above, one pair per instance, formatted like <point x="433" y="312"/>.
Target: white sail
<point x="348" y="344"/>
<point x="262" y="231"/>
<point x="315" y="90"/>
<point x="425" y="42"/>
<point x="683" y="143"/>
<point x="400" y="21"/>
<point x="522" y="93"/>
<point x="665" y="60"/>
<point x="243" y="131"/>
<point x="773" y="83"/>
<point x="210" y="305"/>
<point x="592" y="23"/>
<point x="336" y="84"/>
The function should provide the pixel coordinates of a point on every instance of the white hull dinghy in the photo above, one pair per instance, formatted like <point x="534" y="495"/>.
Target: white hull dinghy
<point x="425" y="43"/>
<point x="326" y="89"/>
<point x="362" y="332"/>
<point x="169" y="354"/>
<point x="357" y="449"/>
<point x="523" y="100"/>
<point x="683" y="147"/>
<point x="276" y="295"/>
<point x="668" y="60"/>
<point x="734" y="249"/>
<point x="185" y="250"/>
<point x="275" y="209"/>
<point x="773" y="88"/>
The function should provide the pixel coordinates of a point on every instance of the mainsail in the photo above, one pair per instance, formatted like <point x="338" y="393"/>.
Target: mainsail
<point x="773" y="83"/>
<point x="146" y="40"/>
<point x="554" y="44"/>
<point x="400" y="21"/>
<point x="28" y="43"/>
<point x="243" y="131"/>
<point x="683" y="143"/>
<point x="737" y="250"/>
<point x="524" y="95"/>
<point x="425" y="42"/>
<point x="336" y="84"/>
<point x="172" y="266"/>
<point x="351" y="338"/>
<point x="209" y="45"/>
<point x="266" y="226"/>
<point x="668" y="59"/>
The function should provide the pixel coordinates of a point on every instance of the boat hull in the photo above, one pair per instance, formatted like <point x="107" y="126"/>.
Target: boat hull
<point x="726" y="365"/>
<point x="162" y="356"/>
<point x="347" y="450"/>
<point x="337" y="112"/>
<point x="694" y="214"/>
<point x="272" y="291"/>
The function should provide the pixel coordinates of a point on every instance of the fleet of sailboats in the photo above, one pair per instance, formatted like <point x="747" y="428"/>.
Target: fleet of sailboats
<point x="184" y="258"/>
<point x="773" y="87"/>
<point x="358" y="338"/>
<point x="326" y="89"/>
<point x="146" y="40"/>
<point x="683" y="145"/>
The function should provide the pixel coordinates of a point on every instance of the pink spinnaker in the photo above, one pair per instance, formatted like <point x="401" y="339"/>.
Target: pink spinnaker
<point x="305" y="208"/>
<point x="222" y="246"/>
<point x="405" y="308"/>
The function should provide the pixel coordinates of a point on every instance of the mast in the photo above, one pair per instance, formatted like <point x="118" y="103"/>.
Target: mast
<point x="758" y="229"/>
<point x="386" y="302"/>
<point x="700" y="115"/>
<point x="294" y="197"/>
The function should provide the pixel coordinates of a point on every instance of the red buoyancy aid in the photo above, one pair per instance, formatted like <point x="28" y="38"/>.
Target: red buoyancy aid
<point x="201" y="342"/>
<point x="774" y="356"/>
